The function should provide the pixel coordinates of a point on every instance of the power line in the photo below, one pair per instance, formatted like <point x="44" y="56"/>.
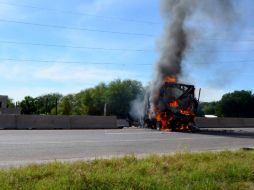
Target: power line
<point x="106" y="31"/>
<point x="109" y="49"/>
<point x="74" y="28"/>
<point x="68" y="62"/>
<point x="223" y="39"/>
<point x="72" y="46"/>
<point x="99" y="63"/>
<point x="75" y="13"/>
<point x="240" y="61"/>
<point x="220" y="51"/>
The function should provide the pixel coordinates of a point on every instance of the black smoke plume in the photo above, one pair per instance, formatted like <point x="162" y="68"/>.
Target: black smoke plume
<point x="178" y="35"/>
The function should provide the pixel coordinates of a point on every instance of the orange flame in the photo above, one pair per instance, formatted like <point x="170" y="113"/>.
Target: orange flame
<point x="173" y="104"/>
<point x="187" y="112"/>
<point x="165" y="118"/>
<point x="170" y="79"/>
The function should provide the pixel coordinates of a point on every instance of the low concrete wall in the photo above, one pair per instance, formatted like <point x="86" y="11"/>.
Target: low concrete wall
<point x="8" y="122"/>
<point x="203" y="122"/>
<point x="93" y="122"/>
<point x="57" y="122"/>
<point x="42" y="122"/>
<point x="122" y="123"/>
<point x="102" y="122"/>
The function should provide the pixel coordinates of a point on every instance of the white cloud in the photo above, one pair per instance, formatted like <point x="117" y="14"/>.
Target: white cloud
<point x="210" y="94"/>
<point x="79" y="73"/>
<point x="10" y="71"/>
<point x="61" y="72"/>
<point x="18" y="94"/>
<point x="29" y="79"/>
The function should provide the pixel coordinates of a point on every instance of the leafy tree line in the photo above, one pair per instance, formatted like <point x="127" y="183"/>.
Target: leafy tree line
<point x="235" y="104"/>
<point x="115" y="98"/>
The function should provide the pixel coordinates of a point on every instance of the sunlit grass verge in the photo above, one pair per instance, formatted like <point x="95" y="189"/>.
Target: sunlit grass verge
<point x="204" y="171"/>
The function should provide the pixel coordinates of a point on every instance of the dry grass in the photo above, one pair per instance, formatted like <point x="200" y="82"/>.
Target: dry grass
<point x="187" y="171"/>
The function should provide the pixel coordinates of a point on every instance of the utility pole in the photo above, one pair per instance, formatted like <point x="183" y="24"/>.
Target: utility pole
<point x="105" y="109"/>
<point x="56" y="105"/>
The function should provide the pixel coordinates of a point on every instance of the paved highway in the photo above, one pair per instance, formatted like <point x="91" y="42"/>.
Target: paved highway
<point x="19" y="147"/>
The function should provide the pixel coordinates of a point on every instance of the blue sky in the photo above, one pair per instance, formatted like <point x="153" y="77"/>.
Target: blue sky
<point x="220" y="62"/>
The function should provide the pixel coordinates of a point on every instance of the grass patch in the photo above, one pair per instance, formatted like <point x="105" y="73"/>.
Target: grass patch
<point x="187" y="171"/>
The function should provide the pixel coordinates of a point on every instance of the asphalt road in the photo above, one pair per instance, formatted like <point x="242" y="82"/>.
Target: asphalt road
<point x="19" y="147"/>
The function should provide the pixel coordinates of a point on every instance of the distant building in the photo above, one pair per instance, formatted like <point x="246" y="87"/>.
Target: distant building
<point x="4" y="110"/>
<point x="3" y="101"/>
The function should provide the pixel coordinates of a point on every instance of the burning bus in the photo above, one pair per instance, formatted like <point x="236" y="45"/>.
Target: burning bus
<point x="175" y="108"/>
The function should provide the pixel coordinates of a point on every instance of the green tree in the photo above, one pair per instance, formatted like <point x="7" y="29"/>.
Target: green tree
<point x="237" y="104"/>
<point x="91" y="101"/>
<point x="210" y="108"/>
<point x="120" y="94"/>
<point x="10" y="103"/>
<point x="45" y="104"/>
<point x="27" y="106"/>
<point x="66" y="105"/>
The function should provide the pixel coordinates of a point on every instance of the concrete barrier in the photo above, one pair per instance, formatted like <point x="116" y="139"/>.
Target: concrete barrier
<point x="7" y="121"/>
<point x="93" y="122"/>
<point x="57" y="122"/>
<point x="42" y="122"/>
<point x="122" y="123"/>
<point x="102" y="122"/>
<point x="249" y="122"/>
<point x="61" y="122"/>
<point x="203" y="122"/>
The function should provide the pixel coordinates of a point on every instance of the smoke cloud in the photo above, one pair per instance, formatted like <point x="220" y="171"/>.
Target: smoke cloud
<point x="139" y="106"/>
<point x="178" y="36"/>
